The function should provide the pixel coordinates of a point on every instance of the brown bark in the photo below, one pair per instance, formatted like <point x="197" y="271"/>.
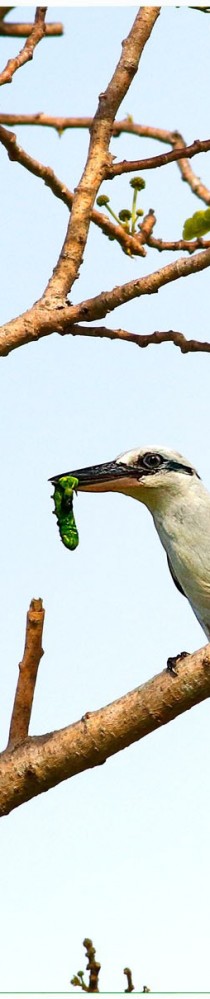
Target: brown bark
<point x="40" y="763"/>
<point x="36" y="34"/>
<point x="98" y="159"/>
<point x="39" y="321"/>
<point x="28" y="668"/>
<point x="127" y="166"/>
<point x="12" y="30"/>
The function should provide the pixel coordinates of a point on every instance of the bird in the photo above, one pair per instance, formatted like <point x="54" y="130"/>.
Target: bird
<point x="172" y="490"/>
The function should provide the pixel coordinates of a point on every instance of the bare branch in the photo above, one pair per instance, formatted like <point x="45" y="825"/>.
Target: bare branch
<point x="194" y="182"/>
<point x="38" y="321"/>
<point x="36" y="34"/>
<point x="178" y="244"/>
<point x="17" y="30"/>
<point x="71" y="255"/>
<point x="130" y="985"/>
<point x="44" y="761"/>
<point x="97" y="308"/>
<point x="144" y="339"/>
<point x="125" y="125"/>
<point x="28" y="668"/>
<point x="17" y="154"/>
<point x="126" y="166"/>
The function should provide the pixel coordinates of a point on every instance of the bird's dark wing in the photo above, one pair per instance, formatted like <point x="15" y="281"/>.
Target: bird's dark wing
<point x="177" y="584"/>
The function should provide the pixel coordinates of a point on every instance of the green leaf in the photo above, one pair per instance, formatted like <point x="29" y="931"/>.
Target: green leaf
<point x="197" y="225"/>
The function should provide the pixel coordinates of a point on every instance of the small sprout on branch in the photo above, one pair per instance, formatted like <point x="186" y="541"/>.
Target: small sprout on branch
<point x="137" y="183"/>
<point x="126" y="218"/>
<point x="79" y="980"/>
<point x="102" y="200"/>
<point x="124" y="215"/>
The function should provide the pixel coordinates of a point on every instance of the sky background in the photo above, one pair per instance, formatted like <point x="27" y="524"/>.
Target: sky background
<point x="120" y="853"/>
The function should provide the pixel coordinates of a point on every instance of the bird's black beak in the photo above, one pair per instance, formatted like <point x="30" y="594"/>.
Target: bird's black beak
<point x="97" y="478"/>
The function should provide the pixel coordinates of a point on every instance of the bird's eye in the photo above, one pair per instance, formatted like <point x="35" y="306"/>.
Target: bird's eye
<point x="151" y="460"/>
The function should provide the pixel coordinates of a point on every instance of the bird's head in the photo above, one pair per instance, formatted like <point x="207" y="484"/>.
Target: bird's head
<point x="148" y="474"/>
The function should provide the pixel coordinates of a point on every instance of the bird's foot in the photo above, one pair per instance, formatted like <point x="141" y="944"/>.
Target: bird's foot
<point x="173" y="660"/>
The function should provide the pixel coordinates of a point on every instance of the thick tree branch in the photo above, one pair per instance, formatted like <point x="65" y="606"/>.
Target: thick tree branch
<point x="71" y="256"/>
<point x="36" y="34"/>
<point x="126" y="166"/>
<point x="28" y="668"/>
<point x="42" y="762"/>
<point x="97" y="308"/>
<point x="42" y="321"/>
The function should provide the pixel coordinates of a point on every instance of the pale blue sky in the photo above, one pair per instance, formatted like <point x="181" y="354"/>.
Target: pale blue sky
<point x="120" y="854"/>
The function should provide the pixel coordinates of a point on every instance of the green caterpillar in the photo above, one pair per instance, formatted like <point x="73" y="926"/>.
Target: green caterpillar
<point x="63" y="500"/>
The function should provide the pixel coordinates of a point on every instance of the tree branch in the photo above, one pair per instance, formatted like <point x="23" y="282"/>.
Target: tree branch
<point x="190" y="245"/>
<point x="44" y="761"/>
<point x="4" y="11"/>
<point x="36" y="34"/>
<point x="144" y="339"/>
<point x="17" y="30"/>
<point x="38" y="321"/>
<point x="70" y="259"/>
<point x="97" y="307"/>
<point x="125" y="126"/>
<point x="126" y="166"/>
<point x="188" y="176"/>
<point x="28" y="668"/>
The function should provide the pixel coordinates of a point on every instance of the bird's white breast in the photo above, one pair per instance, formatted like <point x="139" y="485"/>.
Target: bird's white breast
<point x="182" y="520"/>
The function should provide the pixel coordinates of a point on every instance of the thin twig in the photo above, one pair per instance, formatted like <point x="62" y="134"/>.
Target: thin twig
<point x="36" y="34"/>
<point x="119" y="127"/>
<point x="28" y="668"/>
<point x="43" y="761"/>
<point x="178" y="244"/>
<point x="144" y="339"/>
<point x="131" y="986"/>
<point x="187" y="173"/>
<point x="13" y="30"/>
